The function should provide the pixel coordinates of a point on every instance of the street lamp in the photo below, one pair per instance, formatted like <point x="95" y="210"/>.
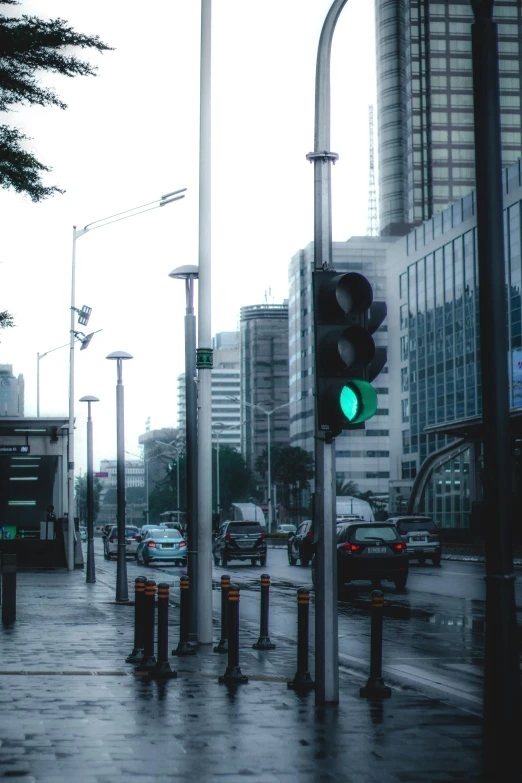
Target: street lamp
<point x="91" y="575"/>
<point x="189" y="273"/>
<point x="122" y="591"/>
<point x="38" y="357"/>
<point x="218" y="430"/>
<point x="268" y="414"/>
<point x="83" y="314"/>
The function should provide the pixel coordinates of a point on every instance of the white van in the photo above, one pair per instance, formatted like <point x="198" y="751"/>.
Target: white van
<point x="349" y="507"/>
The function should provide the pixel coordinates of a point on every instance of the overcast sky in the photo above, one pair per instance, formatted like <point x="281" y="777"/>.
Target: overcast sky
<point x="130" y="135"/>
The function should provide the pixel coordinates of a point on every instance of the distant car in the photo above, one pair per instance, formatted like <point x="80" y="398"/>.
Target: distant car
<point x="370" y="551"/>
<point x="110" y="547"/>
<point x="286" y="528"/>
<point x="161" y="544"/>
<point x="301" y="545"/>
<point x="239" y="541"/>
<point x="83" y="533"/>
<point x="145" y="528"/>
<point x="421" y="536"/>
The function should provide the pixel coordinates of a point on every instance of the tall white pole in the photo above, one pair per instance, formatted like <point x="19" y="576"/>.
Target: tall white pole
<point x="147" y="489"/>
<point x="70" y="453"/>
<point x="218" y="499"/>
<point x="269" y="421"/>
<point x="204" y="352"/>
<point x="38" y="385"/>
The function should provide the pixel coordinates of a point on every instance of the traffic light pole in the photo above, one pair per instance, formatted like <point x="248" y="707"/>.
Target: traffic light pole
<point x="501" y="666"/>
<point x="326" y="658"/>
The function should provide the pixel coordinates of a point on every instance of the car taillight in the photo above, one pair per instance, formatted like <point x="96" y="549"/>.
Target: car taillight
<point x="182" y="544"/>
<point x="309" y="534"/>
<point x="112" y="539"/>
<point x="399" y="547"/>
<point x="227" y="535"/>
<point x="433" y="532"/>
<point x="262" y="534"/>
<point x="351" y="547"/>
<point x="152" y="544"/>
<point x="402" y="532"/>
<point x="135" y="536"/>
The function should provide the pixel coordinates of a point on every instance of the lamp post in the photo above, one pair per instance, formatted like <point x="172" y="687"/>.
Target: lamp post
<point x="189" y="273"/>
<point x="122" y="591"/>
<point x="268" y="414"/>
<point x="168" y="198"/>
<point x="218" y="430"/>
<point x="91" y="574"/>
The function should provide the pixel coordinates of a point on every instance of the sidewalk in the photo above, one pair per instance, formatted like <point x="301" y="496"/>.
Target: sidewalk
<point x="73" y="711"/>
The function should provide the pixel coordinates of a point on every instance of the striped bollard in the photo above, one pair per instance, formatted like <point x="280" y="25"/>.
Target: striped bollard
<point x="233" y="674"/>
<point x="162" y="669"/>
<point x="264" y="643"/>
<point x="184" y="647"/>
<point x="222" y="645"/>
<point x="139" y="594"/>
<point x="149" y="610"/>
<point x="375" y="687"/>
<point x="302" y="679"/>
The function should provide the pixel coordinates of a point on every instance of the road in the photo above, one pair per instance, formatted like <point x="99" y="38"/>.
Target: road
<point x="433" y="631"/>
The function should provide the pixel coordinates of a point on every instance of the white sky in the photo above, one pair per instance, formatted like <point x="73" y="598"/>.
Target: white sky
<point x="130" y="135"/>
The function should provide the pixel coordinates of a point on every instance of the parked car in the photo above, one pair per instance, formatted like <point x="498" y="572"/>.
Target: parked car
<point x="300" y="545"/>
<point x="110" y="547"/>
<point x="287" y="528"/>
<point x="161" y="544"/>
<point x="421" y="536"/>
<point x="370" y="551"/>
<point x="239" y="540"/>
<point x="83" y="533"/>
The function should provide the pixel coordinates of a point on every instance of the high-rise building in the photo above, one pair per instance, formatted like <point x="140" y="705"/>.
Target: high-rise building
<point x="264" y="378"/>
<point x="362" y="456"/>
<point x="11" y="392"/>
<point x="425" y="104"/>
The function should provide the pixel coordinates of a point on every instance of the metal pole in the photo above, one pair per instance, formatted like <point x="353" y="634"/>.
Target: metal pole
<point x="191" y="435"/>
<point x="177" y="483"/>
<point x="70" y="438"/>
<point x="38" y="385"/>
<point x="501" y="665"/>
<point x="204" y="583"/>
<point x="326" y="660"/>
<point x="218" y="499"/>
<point x="147" y="489"/>
<point x="122" y="592"/>
<point x="268" y="421"/>
<point x="91" y="574"/>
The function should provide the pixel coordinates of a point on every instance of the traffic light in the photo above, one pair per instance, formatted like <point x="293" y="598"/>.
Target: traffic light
<point x="346" y="358"/>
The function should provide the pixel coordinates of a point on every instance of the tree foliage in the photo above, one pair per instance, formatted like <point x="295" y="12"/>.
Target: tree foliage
<point x="80" y="487"/>
<point x="236" y="483"/>
<point x="289" y="465"/>
<point x="28" y="46"/>
<point x="6" y="320"/>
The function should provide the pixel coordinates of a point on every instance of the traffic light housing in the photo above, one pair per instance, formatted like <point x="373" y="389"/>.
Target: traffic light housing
<point x="346" y="358"/>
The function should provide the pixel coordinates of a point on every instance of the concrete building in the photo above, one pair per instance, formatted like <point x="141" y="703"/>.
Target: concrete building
<point x="264" y="378"/>
<point x="362" y="455"/>
<point x="425" y="104"/>
<point x="11" y="392"/>
<point x="434" y="353"/>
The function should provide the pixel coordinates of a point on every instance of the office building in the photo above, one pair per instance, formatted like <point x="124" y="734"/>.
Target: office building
<point x="11" y="392"/>
<point x="362" y="456"/>
<point x="264" y="378"/>
<point x="425" y="104"/>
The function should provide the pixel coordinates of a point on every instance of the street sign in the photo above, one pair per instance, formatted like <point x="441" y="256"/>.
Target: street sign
<point x="15" y="449"/>
<point x="101" y="475"/>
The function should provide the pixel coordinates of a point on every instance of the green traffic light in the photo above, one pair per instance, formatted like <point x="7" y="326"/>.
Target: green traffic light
<point x="358" y="401"/>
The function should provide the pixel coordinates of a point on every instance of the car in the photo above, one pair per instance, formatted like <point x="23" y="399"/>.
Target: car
<point x="145" y="528"/>
<point x="421" y="536"/>
<point x="239" y="540"/>
<point x="161" y="544"/>
<point x="110" y="546"/>
<point x="83" y="533"/>
<point x="301" y="545"/>
<point x="287" y="528"/>
<point x="370" y="551"/>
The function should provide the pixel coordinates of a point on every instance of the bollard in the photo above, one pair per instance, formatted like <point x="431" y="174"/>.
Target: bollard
<point x="139" y="594"/>
<point x="8" y="588"/>
<point x="222" y="646"/>
<point x="375" y="687"/>
<point x="162" y="669"/>
<point x="184" y="647"/>
<point x="302" y="679"/>
<point x="149" y="610"/>
<point x="233" y="674"/>
<point x="264" y="643"/>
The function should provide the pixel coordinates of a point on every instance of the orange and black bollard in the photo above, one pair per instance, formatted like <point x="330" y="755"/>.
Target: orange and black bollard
<point x="222" y="646"/>
<point x="184" y="647"/>
<point x="139" y="594"/>
<point x="149" y="610"/>
<point x="375" y="687"/>
<point x="233" y="674"/>
<point x="162" y="668"/>
<point x="264" y="643"/>
<point x="302" y="679"/>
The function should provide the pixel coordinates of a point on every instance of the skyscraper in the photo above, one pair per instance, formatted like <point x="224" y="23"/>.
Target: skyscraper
<point x="425" y="104"/>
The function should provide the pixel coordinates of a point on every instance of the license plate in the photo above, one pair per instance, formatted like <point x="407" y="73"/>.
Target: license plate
<point x="377" y="550"/>
<point x="421" y="539"/>
<point x="167" y="546"/>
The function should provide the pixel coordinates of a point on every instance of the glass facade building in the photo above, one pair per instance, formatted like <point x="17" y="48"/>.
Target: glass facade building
<point x="425" y="104"/>
<point x="437" y="341"/>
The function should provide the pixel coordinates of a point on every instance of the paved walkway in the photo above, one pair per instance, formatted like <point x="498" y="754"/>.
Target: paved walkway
<point x="72" y="711"/>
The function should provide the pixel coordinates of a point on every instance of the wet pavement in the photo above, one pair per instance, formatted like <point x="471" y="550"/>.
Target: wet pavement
<point x="73" y="711"/>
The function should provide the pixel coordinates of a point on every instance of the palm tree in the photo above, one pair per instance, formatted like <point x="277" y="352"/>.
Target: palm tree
<point x="346" y="488"/>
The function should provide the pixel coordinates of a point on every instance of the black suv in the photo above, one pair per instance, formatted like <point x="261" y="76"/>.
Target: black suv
<point x="421" y="536"/>
<point x="239" y="541"/>
<point x="301" y="545"/>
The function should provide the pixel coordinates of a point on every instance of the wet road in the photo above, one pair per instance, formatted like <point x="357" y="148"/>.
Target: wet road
<point x="433" y="631"/>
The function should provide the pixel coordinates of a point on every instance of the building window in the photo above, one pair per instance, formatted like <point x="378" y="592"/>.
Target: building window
<point x="404" y="379"/>
<point x="405" y="408"/>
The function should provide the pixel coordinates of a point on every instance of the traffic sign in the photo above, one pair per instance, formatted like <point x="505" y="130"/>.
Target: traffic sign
<point x="15" y="449"/>
<point x="101" y="474"/>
